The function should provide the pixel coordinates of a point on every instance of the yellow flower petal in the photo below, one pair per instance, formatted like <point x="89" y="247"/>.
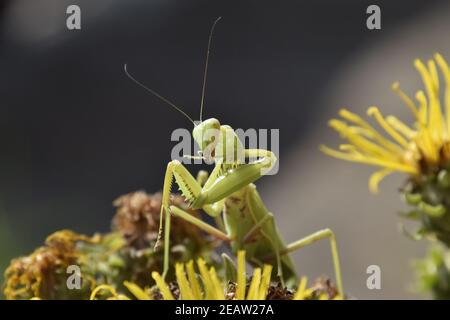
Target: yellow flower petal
<point x="162" y="285"/>
<point x="265" y="282"/>
<point x="401" y="127"/>
<point x="443" y="66"/>
<point x="195" y="285"/>
<point x="408" y="168"/>
<point x="359" y="141"/>
<point x="376" y="177"/>
<point x="406" y="99"/>
<point x="207" y="282"/>
<point x="217" y="287"/>
<point x="301" y="290"/>
<point x="240" y="290"/>
<point x="254" y="285"/>
<point x="104" y="287"/>
<point x="380" y="119"/>
<point x="369" y="130"/>
<point x="137" y="291"/>
<point x="185" y="288"/>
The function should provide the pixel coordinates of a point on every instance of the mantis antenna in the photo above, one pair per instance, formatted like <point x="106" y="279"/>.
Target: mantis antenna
<point x="206" y="67"/>
<point x="157" y="94"/>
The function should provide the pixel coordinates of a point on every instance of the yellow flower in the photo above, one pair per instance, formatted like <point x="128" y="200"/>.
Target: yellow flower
<point x="206" y="285"/>
<point x="304" y="293"/>
<point x="421" y="148"/>
<point x="215" y="289"/>
<point x="113" y="295"/>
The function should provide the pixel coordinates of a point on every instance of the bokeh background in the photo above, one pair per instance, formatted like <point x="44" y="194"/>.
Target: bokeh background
<point x="75" y="133"/>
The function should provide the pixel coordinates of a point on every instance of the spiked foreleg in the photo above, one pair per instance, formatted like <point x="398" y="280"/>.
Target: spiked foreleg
<point x="223" y="184"/>
<point x="190" y="188"/>
<point x="217" y="187"/>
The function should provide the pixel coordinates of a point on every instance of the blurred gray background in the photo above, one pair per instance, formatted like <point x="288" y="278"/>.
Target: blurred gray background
<point x="75" y="133"/>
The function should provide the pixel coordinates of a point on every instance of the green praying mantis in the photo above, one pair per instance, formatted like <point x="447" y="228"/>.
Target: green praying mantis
<point x="229" y="196"/>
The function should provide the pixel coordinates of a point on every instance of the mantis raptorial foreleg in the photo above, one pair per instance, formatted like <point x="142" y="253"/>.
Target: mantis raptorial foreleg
<point x="214" y="190"/>
<point x="322" y="234"/>
<point x="211" y="197"/>
<point x="218" y="187"/>
<point x="202" y="178"/>
<point x="189" y="186"/>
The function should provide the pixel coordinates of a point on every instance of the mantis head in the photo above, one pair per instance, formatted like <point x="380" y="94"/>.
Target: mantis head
<point x="206" y="134"/>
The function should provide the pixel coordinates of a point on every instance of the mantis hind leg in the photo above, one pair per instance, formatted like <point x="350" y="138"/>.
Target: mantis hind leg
<point x="264" y="225"/>
<point x="279" y="265"/>
<point x="322" y="234"/>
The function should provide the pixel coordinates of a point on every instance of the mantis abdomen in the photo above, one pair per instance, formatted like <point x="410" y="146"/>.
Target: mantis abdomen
<point x="252" y="228"/>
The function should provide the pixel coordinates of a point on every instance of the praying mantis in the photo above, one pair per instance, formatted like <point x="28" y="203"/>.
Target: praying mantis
<point x="228" y="194"/>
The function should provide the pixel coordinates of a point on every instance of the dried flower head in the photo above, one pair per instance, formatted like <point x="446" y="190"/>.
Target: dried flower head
<point x="137" y="219"/>
<point x="43" y="273"/>
<point x="107" y="259"/>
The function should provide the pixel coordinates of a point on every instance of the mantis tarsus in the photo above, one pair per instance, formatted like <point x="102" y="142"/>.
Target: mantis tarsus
<point x="245" y="222"/>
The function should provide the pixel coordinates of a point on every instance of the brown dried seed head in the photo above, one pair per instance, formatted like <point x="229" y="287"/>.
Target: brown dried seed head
<point x="137" y="219"/>
<point x="36" y="275"/>
<point x="324" y="285"/>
